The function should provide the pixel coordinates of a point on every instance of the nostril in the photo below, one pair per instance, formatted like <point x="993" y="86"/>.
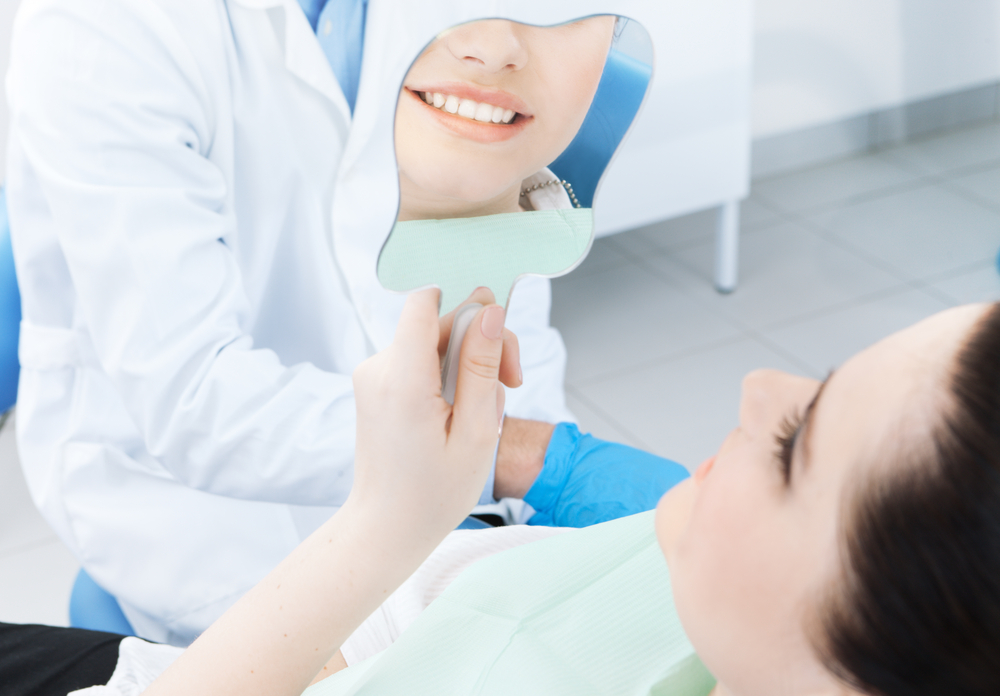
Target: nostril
<point x="702" y="471"/>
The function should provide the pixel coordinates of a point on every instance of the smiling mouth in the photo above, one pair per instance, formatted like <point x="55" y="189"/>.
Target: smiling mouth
<point x="469" y="109"/>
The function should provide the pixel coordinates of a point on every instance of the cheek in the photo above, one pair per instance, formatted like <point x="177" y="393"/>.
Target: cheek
<point x="713" y="547"/>
<point x="720" y="572"/>
<point x="566" y="81"/>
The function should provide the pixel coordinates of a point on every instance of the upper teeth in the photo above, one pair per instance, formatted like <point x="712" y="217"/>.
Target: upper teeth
<point x="477" y="111"/>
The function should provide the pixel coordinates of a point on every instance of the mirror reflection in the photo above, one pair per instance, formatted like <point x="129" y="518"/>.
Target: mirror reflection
<point x="502" y="133"/>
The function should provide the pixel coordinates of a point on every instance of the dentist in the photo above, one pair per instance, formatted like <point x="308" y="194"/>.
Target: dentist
<point x="192" y="314"/>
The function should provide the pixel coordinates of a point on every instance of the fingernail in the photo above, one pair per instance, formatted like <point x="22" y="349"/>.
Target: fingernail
<point x="492" y="325"/>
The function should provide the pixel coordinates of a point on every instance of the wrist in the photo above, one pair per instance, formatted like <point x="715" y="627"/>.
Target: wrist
<point x="520" y="456"/>
<point x="401" y="534"/>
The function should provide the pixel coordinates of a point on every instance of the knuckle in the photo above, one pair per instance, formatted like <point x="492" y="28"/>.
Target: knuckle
<point x="486" y="366"/>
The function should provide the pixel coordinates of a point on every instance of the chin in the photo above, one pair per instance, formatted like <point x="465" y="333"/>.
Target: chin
<point x="469" y="187"/>
<point x="672" y="515"/>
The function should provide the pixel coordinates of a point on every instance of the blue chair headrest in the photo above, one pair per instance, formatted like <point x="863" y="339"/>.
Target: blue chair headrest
<point x="10" y="314"/>
<point x="619" y="95"/>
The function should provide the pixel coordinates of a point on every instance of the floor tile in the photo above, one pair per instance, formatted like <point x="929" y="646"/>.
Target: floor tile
<point x="786" y="271"/>
<point x="21" y="525"/>
<point x="985" y="185"/>
<point x="35" y="585"/>
<point x="919" y="233"/>
<point x="670" y="234"/>
<point x="755" y="213"/>
<point x="696" y="228"/>
<point x="682" y="409"/>
<point x="947" y="153"/>
<point x="593" y="421"/>
<point x="980" y="285"/>
<point x="837" y="182"/>
<point x="603" y="255"/>
<point x="625" y="317"/>
<point x="825" y="342"/>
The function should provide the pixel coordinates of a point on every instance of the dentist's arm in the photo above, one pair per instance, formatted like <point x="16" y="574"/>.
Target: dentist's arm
<point x="420" y="465"/>
<point x="121" y="157"/>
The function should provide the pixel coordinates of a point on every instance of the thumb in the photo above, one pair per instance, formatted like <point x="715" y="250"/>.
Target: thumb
<point x="475" y="412"/>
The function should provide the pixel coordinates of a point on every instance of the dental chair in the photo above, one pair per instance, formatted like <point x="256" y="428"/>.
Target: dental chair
<point x="10" y="316"/>
<point x="89" y="605"/>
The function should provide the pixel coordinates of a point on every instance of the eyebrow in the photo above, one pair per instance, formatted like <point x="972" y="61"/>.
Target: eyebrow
<point x="807" y="427"/>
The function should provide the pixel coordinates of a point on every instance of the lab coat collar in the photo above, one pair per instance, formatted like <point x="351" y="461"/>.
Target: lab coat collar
<point x="304" y="57"/>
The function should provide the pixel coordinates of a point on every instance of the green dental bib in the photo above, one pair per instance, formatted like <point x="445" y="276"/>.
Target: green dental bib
<point x="463" y="254"/>
<point x="589" y="612"/>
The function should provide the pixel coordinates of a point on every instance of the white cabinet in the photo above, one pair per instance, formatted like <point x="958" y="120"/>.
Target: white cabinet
<point x="690" y="147"/>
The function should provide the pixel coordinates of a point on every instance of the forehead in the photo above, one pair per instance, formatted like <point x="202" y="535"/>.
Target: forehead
<point x="886" y="397"/>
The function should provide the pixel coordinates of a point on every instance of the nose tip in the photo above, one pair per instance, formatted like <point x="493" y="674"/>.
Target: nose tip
<point x="489" y="45"/>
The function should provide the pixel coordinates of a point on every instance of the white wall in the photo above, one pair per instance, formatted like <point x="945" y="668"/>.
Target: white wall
<point x="7" y="9"/>
<point x="818" y="61"/>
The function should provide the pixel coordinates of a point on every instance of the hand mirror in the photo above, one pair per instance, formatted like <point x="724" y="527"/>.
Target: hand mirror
<point x="503" y="131"/>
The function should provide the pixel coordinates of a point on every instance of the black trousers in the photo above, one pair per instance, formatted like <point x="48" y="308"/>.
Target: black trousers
<point x="49" y="661"/>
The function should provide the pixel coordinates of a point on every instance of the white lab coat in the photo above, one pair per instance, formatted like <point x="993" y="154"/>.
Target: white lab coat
<point x="196" y="226"/>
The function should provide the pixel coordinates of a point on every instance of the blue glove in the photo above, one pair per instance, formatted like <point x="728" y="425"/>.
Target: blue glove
<point x="585" y="480"/>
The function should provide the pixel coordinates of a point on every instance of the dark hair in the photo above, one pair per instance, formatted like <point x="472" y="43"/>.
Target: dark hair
<point x="919" y="611"/>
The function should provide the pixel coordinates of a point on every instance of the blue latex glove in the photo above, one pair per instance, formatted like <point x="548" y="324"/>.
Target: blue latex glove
<point x="585" y="480"/>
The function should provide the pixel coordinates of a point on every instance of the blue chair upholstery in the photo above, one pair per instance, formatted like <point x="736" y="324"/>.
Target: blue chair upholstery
<point x="92" y="608"/>
<point x="10" y="314"/>
<point x="619" y="96"/>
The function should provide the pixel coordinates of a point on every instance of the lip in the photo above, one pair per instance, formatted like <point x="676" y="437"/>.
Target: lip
<point x="477" y="131"/>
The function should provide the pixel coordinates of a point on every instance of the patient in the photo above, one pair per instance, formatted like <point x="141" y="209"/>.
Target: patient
<point x="844" y="540"/>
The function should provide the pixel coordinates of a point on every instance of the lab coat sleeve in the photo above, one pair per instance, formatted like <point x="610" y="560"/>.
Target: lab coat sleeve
<point x="542" y="396"/>
<point x="115" y="120"/>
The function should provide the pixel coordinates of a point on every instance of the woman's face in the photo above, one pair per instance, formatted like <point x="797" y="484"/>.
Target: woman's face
<point x="752" y="539"/>
<point x="505" y="99"/>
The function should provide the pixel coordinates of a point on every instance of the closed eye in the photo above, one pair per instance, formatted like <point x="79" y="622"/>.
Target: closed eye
<point x="785" y="438"/>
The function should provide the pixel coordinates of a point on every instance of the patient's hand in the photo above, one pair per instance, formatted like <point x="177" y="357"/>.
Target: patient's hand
<point x="510" y="360"/>
<point x="420" y="466"/>
<point x="419" y="461"/>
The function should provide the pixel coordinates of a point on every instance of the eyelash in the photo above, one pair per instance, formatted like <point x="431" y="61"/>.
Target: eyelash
<point x="788" y="433"/>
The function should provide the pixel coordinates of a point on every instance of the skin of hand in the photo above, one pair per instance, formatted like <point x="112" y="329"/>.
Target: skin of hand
<point x="420" y="466"/>
<point x="520" y="457"/>
<point x="523" y="443"/>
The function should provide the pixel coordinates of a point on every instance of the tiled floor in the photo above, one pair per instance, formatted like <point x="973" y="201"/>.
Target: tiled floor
<point x="833" y="258"/>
